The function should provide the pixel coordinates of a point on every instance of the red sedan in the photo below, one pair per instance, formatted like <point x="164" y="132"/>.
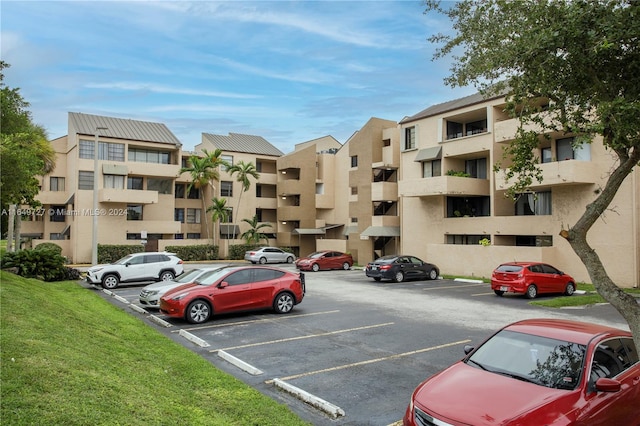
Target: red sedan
<point x="325" y="260"/>
<point x="531" y="279"/>
<point x="536" y="372"/>
<point x="234" y="289"/>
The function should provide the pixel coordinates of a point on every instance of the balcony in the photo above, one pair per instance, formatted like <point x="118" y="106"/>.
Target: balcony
<point x="505" y="130"/>
<point x="53" y="197"/>
<point x="385" y="220"/>
<point x="266" y="203"/>
<point x="153" y="169"/>
<point x="390" y="158"/>
<point x="443" y="185"/>
<point x="152" y="226"/>
<point x="325" y="201"/>
<point x="289" y="212"/>
<point x="467" y="146"/>
<point x="568" y="172"/>
<point x="111" y="195"/>
<point x="268" y="178"/>
<point x="384" y="191"/>
<point x="290" y="186"/>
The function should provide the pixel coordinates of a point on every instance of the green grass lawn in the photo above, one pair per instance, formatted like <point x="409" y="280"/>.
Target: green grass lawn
<point x="71" y="358"/>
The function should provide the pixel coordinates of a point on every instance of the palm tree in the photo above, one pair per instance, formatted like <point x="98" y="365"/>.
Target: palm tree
<point x="219" y="212"/>
<point x="203" y="171"/>
<point x="253" y="234"/>
<point x="244" y="171"/>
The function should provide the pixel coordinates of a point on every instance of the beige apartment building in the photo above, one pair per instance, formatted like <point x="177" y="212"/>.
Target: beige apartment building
<point x="424" y="186"/>
<point x="451" y="198"/>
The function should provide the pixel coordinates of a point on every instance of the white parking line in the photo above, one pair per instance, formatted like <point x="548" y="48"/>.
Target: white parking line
<point x="453" y="286"/>
<point x="286" y="317"/>
<point x="371" y="361"/>
<point x="310" y="336"/>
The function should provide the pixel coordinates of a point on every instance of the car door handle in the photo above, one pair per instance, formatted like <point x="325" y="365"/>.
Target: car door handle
<point x="636" y="380"/>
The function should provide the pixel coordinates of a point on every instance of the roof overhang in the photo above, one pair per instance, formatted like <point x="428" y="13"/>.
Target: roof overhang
<point x="309" y="231"/>
<point x="381" y="231"/>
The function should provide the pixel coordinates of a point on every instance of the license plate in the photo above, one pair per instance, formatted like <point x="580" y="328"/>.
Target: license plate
<point x="504" y="288"/>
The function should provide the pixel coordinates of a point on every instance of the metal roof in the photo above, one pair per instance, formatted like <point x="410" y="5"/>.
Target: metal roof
<point x="476" y="98"/>
<point x="237" y="142"/>
<point x="121" y="128"/>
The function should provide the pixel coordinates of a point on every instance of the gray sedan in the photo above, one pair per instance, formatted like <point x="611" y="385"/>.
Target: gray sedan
<point x="264" y="255"/>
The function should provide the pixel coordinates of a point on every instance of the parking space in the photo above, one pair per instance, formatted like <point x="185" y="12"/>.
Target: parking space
<point x="352" y="352"/>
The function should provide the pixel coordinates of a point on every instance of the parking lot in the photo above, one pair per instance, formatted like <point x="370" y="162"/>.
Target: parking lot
<point x="353" y="351"/>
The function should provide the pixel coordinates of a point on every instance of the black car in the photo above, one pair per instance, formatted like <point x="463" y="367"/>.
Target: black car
<point x="399" y="268"/>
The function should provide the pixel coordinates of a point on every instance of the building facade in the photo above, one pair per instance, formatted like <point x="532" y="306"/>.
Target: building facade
<point x="425" y="186"/>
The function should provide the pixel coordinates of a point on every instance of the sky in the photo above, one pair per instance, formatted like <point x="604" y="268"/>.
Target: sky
<point x="289" y="71"/>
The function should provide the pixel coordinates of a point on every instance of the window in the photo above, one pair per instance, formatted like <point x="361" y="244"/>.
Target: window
<point x="194" y="193"/>
<point x="476" y="127"/>
<point x="180" y="190"/>
<point x="354" y="220"/>
<point x="57" y="213"/>
<point x="229" y="218"/>
<point x="354" y="190"/>
<point x="354" y="161"/>
<point x="134" y="212"/>
<point x="468" y="206"/>
<point x="409" y="138"/>
<point x="476" y="168"/>
<point x="534" y="240"/>
<point x="149" y="156"/>
<point x="134" y="182"/>
<point x="465" y="239"/>
<point x="85" y="180"/>
<point x="546" y="155"/>
<point x="454" y="130"/>
<point x="163" y="186"/>
<point x="529" y="204"/>
<point x="178" y="236"/>
<point x="432" y="168"/>
<point x="106" y="150"/>
<point x="56" y="236"/>
<point x="193" y="235"/>
<point x="178" y="215"/>
<point x="193" y="215"/>
<point x="258" y="191"/>
<point x="56" y="184"/>
<point x="566" y="150"/>
<point x="319" y="188"/>
<point x="114" y="181"/>
<point x="226" y="188"/>
<point x="228" y="159"/>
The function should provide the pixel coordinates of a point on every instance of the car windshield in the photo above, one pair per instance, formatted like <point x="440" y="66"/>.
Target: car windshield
<point x="123" y="260"/>
<point x="189" y="277"/>
<point x="540" y="360"/>
<point x="212" y="276"/>
<point x="316" y="255"/>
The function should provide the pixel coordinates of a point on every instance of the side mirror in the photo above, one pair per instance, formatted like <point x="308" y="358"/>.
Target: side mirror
<point x="605" y="384"/>
<point x="468" y="349"/>
<point x="223" y="284"/>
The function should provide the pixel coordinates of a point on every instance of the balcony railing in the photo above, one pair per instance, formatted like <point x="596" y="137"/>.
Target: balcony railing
<point x="443" y="185"/>
<point x="568" y="172"/>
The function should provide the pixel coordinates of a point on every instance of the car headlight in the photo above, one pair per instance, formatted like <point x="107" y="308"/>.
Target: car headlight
<point x="96" y="270"/>
<point x="179" y="296"/>
<point x="152" y="292"/>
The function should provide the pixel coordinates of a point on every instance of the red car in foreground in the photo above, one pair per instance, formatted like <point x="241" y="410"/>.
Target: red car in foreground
<point x="536" y="372"/>
<point x="234" y="289"/>
<point x="325" y="260"/>
<point x="531" y="279"/>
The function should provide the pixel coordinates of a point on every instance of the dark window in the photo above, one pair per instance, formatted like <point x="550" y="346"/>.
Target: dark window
<point x="409" y="138"/>
<point x="454" y="130"/>
<point x="134" y="182"/>
<point x="180" y="190"/>
<point x="242" y="276"/>
<point x="354" y="161"/>
<point x="163" y="186"/>
<point x="85" y="180"/>
<point x="194" y="193"/>
<point x="530" y="203"/>
<point x="476" y="168"/>
<point x="56" y="184"/>
<point x="564" y="149"/>
<point x="178" y="215"/>
<point x="468" y="206"/>
<point x="57" y="213"/>
<point x="226" y="188"/>
<point x="134" y="212"/>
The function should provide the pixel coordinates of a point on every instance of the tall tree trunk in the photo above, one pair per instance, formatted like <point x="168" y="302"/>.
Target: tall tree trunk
<point x="625" y="303"/>
<point x="16" y="232"/>
<point x="11" y="225"/>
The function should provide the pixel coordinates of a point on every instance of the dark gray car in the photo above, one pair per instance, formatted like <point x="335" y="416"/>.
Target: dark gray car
<point x="399" y="268"/>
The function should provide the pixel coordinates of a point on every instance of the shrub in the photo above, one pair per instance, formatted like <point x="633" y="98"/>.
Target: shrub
<point x="49" y="246"/>
<point x="111" y="253"/>
<point x="195" y="252"/>
<point x="44" y="264"/>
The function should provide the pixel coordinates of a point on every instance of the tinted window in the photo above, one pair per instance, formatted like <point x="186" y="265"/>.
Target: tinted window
<point x="509" y="268"/>
<point x="239" y="277"/>
<point x="548" y="269"/>
<point x="535" y="268"/>
<point x="267" y="274"/>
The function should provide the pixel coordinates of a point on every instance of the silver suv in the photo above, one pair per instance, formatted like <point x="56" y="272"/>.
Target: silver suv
<point x="136" y="267"/>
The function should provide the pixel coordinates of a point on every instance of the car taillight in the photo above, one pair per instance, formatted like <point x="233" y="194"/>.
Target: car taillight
<point x="385" y="267"/>
<point x="180" y="262"/>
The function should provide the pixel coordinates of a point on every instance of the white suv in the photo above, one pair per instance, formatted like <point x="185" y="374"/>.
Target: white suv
<point x="136" y="267"/>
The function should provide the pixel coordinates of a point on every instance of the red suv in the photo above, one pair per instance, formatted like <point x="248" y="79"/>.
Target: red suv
<point x="234" y="289"/>
<point x="531" y="279"/>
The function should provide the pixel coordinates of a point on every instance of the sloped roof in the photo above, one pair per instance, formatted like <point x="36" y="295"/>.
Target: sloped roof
<point x="476" y="98"/>
<point x="237" y="142"/>
<point x="121" y="128"/>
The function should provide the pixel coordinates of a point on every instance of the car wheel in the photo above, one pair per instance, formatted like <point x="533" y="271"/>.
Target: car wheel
<point x="377" y="278"/>
<point x="110" y="281"/>
<point x="498" y="292"/>
<point x="167" y="276"/>
<point x="263" y="260"/>
<point x="315" y="267"/>
<point x="198" y="312"/>
<point x="532" y="291"/>
<point x="346" y="266"/>
<point x="570" y="289"/>
<point x="433" y="274"/>
<point x="399" y="277"/>
<point x="290" y="259"/>
<point x="283" y="303"/>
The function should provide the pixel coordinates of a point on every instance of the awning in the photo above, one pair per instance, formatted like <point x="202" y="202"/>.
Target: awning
<point x="67" y="231"/>
<point x="309" y="231"/>
<point x="351" y="229"/>
<point x="71" y="199"/>
<point x="229" y="229"/>
<point x="428" y="154"/>
<point x="381" y="231"/>
<point x="331" y="226"/>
